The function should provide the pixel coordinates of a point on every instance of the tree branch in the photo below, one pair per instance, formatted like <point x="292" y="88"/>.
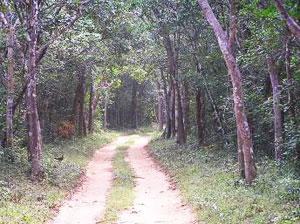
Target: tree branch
<point x="44" y="47"/>
<point x="290" y="22"/>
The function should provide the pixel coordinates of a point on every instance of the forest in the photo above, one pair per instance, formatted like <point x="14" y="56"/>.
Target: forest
<point x="216" y="84"/>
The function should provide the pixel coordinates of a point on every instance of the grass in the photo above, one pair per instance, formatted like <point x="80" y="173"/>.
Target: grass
<point x="122" y="195"/>
<point x="208" y="180"/>
<point x="24" y="202"/>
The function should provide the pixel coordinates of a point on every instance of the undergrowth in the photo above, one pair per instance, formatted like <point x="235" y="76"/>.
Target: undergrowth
<point x="121" y="195"/>
<point x="22" y="201"/>
<point x="208" y="180"/>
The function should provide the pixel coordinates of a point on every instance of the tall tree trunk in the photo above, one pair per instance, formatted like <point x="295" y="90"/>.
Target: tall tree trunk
<point x="278" y="139"/>
<point x="216" y="113"/>
<point x="231" y="41"/>
<point x="180" y="137"/>
<point x="241" y="162"/>
<point x="10" y="90"/>
<point x="186" y="107"/>
<point x="104" y="125"/>
<point x="199" y="118"/>
<point x="172" y="109"/>
<point x="133" y="105"/>
<point x="289" y="78"/>
<point x="34" y="136"/>
<point x="176" y="96"/>
<point x="290" y="22"/>
<point x="160" y="107"/>
<point x="82" y="123"/>
<point x="44" y="110"/>
<point x="167" y="107"/>
<point x="241" y="118"/>
<point x="91" y="106"/>
<point x="76" y="103"/>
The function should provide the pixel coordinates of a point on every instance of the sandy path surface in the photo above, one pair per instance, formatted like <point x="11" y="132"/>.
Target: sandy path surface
<point x="87" y="204"/>
<point x="156" y="200"/>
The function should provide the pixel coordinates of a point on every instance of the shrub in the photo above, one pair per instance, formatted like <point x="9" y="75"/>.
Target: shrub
<point x="65" y="129"/>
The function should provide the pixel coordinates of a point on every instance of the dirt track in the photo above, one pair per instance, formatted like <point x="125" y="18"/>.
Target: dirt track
<point x="156" y="199"/>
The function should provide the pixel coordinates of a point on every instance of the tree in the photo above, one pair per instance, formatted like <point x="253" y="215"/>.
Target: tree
<point x="278" y="138"/>
<point x="241" y="118"/>
<point x="7" y="19"/>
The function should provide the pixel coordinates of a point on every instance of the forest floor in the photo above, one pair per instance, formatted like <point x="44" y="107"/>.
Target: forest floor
<point x="156" y="198"/>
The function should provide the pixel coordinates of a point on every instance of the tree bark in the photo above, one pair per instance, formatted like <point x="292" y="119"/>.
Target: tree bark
<point x="241" y="118"/>
<point x="241" y="162"/>
<point x="186" y="107"/>
<point x="133" y="105"/>
<point x="278" y="139"/>
<point x="76" y="103"/>
<point x="91" y="106"/>
<point x="172" y="108"/>
<point x="160" y="107"/>
<point x="289" y="78"/>
<point x="82" y="123"/>
<point x="199" y="118"/>
<point x="104" y="125"/>
<point x="180" y="137"/>
<point x="176" y="96"/>
<point x="290" y="22"/>
<point x="167" y="132"/>
<point x="10" y="90"/>
<point x="231" y="41"/>
<point x="34" y="136"/>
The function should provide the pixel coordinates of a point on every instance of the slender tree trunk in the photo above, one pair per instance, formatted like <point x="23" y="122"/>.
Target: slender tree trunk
<point x="172" y="109"/>
<point x="231" y="41"/>
<point x="278" y="139"/>
<point x="34" y="136"/>
<point x="160" y="107"/>
<point x="216" y="113"/>
<point x="91" y="107"/>
<point x="176" y="96"/>
<point x="290" y="22"/>
<point x="241" y="162"/>
<point x="241" y="118"/>
<point x="10" y="90"/>
<point x="104" y="125"/>
<point x="82" y="123"/>
<point x="76" y="102"/>
<point x="181" y="137"/>
<point x="44" y="110"/>
<point x="199" y="118"/>
<point x="167" y="107"/>
<point x="289" y="79"/>
<point x="133" y="105"/>
<point x="186" y="107"/>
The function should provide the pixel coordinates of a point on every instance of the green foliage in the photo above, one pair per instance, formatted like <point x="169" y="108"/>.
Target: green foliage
<point x="208" y="180"/>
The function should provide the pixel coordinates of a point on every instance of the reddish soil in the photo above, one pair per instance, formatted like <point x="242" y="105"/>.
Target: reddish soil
<point x="157" y="200"/>
<point x="87" y="204"/>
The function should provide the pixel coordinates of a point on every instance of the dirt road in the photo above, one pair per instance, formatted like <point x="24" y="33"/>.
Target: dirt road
<point x="156" y="199"/>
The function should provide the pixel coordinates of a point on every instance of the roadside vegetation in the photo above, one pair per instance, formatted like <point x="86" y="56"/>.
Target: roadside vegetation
<point x="63" y="164"/>
<point x="121" y="195"/>
<point x="208" y="179"/>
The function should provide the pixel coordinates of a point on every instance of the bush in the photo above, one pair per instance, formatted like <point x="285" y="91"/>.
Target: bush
<point x="65" y="129"/>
